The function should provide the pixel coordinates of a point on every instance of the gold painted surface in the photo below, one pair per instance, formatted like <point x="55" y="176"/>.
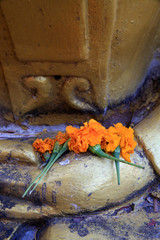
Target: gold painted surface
<point x="134" y="225"/>
<point x="113" y="38"/>
<point x="112" y="47"/>
<point x="39" y="92"/>
<point x="26" y="210"/>
<point x="100" y="20"/>
<point x="148" y="133"/>
<point x="133" y="45"/>
<point x="54" y="31"/>
<point x="82" y="85"/>
<point x="4" y="94"/>
<point x="76" y="183"/>
<point x="16" y="152"/>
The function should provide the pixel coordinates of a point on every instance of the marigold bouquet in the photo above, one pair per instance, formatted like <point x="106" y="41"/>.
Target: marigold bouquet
<point x="110" y="143"/>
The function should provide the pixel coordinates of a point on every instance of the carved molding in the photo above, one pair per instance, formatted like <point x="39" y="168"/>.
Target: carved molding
<point x="39" y="91"/>
<point x="70" y="87"/>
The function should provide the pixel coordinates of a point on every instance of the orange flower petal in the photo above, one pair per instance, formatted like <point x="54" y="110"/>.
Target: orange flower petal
<point x="120" y="135"/>
<point x="62" y="137"/>
<point x="126" y="156"/>
<point x="43" y="146"/>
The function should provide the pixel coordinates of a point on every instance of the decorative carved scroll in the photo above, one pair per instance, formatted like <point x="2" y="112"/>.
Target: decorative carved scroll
<point x="70" y="87"/>
<point x="40" y="92"/>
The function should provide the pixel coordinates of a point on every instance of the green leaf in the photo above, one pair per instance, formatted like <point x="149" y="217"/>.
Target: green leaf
<point x="57" y="152"/>
<point x="63" y="149"/>
<point x="116" y="154"/>
<point x="98" y="151"/>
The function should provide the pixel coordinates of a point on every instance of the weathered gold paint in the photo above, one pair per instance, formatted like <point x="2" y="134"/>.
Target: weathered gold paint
<point x="17" y="152"/>
<point x="76" y="183"/>
<point x="26" y="210"/>
<point x="54" y="31"/>
<point x="4" y="95"/>
<point x="109" y="46"/>
<point x="103" y="227"/>
<point x="108" y="43"/>
<point x="8" y="228"/>
<point x="134" y="38"/>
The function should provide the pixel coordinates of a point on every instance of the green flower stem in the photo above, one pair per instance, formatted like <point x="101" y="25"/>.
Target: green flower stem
<point x="41" y="176"/>
<point x="53" y="156"/>
<point x="46" y="156"/>
<point x="57" y="148"/>
<point x="63" y="149"/>
<point x="98" y="151"/>
<point x="116" y="154"/>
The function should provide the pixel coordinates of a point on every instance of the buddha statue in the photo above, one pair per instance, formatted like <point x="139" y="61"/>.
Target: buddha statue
<point x="63" y="63"/>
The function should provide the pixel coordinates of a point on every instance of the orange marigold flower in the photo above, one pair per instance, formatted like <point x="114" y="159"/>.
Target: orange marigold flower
<point x="111" y="140"/>
<point x="78" y="142"/>
<point x="94" y="132"/>
<point x="62" y="137"/>
<point x="89" y="134"/>
<point x="119" y="135"/>
<point x="43" y="146"/>
<point x="71" y="131"/>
